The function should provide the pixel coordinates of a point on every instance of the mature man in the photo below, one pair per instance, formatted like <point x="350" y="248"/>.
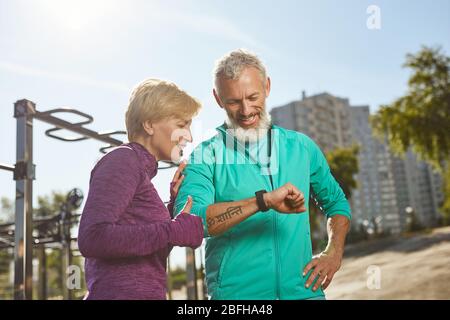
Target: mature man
<point x="250" y="184"/>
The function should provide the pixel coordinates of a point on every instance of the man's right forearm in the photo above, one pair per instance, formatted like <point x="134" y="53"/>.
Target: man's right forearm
<point x="222" y="216"/>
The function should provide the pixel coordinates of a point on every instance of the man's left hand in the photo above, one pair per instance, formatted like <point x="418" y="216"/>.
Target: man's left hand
<point x="324" y="266"/>
<point x="177" y="180"/>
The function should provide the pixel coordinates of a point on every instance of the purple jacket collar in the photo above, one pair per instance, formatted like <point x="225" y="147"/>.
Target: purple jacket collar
<point x="147" y="159"/>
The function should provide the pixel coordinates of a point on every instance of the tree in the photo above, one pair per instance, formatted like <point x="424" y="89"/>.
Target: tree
<point x="343" y="164"/>
<point x="412" y="223"/>
<point x="6" y="210"/>
<point x="420" y="120"/>
<point x="50" y="205"/>
<point x="446" y="205"/>
<point x="178" y="276"/>
<point x="6" y="254"/>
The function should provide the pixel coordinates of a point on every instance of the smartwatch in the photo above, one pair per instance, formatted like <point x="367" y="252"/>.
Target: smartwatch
<point x="260" y="200"/>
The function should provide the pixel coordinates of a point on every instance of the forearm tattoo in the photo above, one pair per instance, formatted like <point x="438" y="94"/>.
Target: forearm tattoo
<point x="223" y="217"/>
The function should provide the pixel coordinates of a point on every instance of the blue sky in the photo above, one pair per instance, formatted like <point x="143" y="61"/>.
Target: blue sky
<point x="89" y="54"/>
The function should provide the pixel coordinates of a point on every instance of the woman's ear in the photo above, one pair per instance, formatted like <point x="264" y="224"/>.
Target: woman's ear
<point x="147" y="125"/>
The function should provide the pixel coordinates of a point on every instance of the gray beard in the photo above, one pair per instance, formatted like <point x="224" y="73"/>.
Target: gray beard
<point x="250" y="135"/>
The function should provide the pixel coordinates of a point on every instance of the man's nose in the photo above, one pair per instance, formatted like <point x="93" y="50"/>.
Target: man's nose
<point x="245" y="108"/>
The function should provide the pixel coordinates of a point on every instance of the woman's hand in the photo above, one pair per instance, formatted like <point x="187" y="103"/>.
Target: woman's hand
<point x="177" y="180"/>
<point x="186" y="228"/>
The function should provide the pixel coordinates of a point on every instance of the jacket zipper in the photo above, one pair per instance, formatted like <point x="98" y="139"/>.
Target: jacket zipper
<point x="275" y="240"/>
<point x="275" y="227"/>
<point x="275" y="224"/>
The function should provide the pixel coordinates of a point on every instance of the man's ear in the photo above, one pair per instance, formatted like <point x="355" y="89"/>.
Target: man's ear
<point x="216" y="96"/>
<point x="267" y="88"/>
<point x="148" y="127"/>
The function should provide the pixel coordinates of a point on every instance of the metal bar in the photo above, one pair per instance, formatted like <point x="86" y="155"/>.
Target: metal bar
<point x="42" y="291"/>
<point x="63" y="124"/>
<point x="6" y="167"/>
<point x="66" y="261"/>
<point x="66" y="253"/>
<point x="191" y="275"/>
<point x="89" y="118"/>
<point x="204" y="295"/>
<point x="23" y="249"/>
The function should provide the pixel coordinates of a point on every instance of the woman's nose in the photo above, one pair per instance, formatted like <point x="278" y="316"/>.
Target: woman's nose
<point x="188" y="136"/>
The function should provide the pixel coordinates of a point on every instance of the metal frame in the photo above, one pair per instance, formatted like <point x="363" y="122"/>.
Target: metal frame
<point x="47" y="231"/>
<point x="24" y="174"/>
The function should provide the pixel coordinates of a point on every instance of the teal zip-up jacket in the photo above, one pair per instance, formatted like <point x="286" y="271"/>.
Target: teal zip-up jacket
<point x="262" y="257"/>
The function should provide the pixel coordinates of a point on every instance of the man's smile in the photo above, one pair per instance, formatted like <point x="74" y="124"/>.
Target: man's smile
<point x="249" y="120"/>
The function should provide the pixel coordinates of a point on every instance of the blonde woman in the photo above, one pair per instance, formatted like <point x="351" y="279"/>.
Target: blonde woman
<point x="126" y="232"/>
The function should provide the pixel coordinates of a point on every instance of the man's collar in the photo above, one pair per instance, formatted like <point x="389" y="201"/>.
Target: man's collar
<point x="223" y="127"/>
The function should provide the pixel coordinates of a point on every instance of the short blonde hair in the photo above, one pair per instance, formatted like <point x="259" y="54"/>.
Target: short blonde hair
<point x="156" y="100"/>
<point x="231" y="65"/>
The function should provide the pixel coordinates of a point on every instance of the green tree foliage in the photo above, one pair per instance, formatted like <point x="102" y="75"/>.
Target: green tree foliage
<point x="6" y="210"/>
<point x="420" y="120"/>
<point x="413" y="223"/>
<point x="49" y="205"/>
<point x="344" y="166"/>
<point x="6" y="254"/>
<point x="446" y="205"/>
<point x="178" y="278"/>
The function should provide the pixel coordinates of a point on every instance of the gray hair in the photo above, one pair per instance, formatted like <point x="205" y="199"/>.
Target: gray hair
<point x="233" y="63"/>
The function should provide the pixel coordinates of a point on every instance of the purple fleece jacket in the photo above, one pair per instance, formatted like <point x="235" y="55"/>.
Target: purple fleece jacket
<point x="126" y="232"/>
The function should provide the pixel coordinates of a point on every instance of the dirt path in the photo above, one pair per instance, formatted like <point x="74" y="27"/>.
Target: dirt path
<point x="417" y="267"/>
